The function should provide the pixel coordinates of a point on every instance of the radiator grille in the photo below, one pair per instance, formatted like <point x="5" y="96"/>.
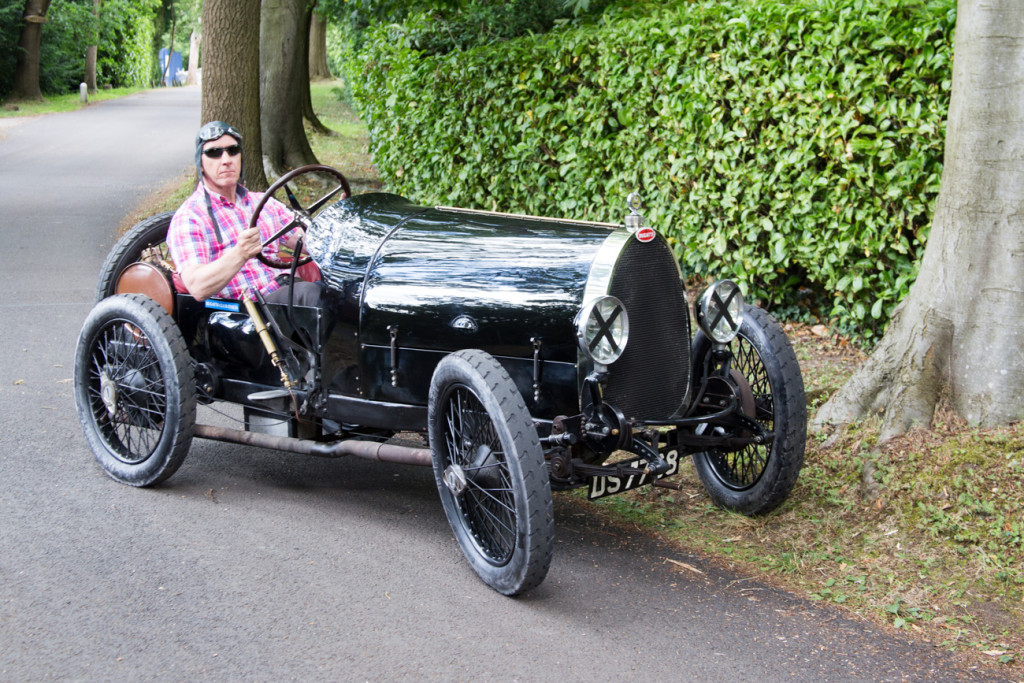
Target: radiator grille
<point x="652" y="378"/>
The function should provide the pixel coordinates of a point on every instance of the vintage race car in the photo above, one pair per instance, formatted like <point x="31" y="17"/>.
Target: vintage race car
<point x="516" y="355"/>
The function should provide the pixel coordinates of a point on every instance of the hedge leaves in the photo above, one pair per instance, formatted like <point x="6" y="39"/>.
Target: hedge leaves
<point x="795" y="146"/>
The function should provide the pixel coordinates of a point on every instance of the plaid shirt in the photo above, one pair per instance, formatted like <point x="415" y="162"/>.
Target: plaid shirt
<point x="193" y="241"/>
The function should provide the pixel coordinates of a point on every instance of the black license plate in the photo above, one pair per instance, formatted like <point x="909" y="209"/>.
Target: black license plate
<point x="610" y="484"/>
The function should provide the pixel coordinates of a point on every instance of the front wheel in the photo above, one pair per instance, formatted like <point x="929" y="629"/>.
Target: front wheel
<point x="759" y="477"/>
<point x="134" y="389"/>
<point x="490" y="472"/>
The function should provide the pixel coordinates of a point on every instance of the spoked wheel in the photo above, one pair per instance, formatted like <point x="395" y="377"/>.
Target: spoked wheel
<point x="150" y="234"/>
<point x="490" y="472"/>
<point x="134" y="389"/>
<point x="759" y="477"/>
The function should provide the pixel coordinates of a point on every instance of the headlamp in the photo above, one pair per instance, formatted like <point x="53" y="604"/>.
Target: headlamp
<point x="720" y="311"/>
<point x="602" y="329"/>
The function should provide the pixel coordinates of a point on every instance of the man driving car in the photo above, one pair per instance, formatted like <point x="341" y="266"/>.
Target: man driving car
<point x="209" y="239"/>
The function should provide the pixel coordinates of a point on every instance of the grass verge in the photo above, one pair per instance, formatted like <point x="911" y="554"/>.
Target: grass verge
<point x="58" y="103"/>
<point x="924" y="534"/>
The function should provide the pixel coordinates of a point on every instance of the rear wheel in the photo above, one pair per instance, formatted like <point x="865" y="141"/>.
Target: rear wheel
<point x="148" y="234"/>
<point x="759" y="477"/>
<point x="490" y="472"/>
<point x="134" y="389"/>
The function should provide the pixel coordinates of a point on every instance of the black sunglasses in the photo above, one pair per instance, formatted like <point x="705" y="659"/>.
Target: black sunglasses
<point x="216" y="152"/>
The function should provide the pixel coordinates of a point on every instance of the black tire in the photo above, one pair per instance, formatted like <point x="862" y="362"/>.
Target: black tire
<point x="502" y="516"/>
<point x="127" y="250"/>
<point x="134" y="389"/>
<point x="758" y="478"/>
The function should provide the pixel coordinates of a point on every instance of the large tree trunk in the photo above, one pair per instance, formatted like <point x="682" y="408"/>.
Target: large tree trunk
<point x="959" y="332"/>
<point x="231" y="76"/>
<point x="26" y="72"/>
<point x="193" y="59"/>
<point x="90" y="54"/>
<point x="318" y="68"/>
<point x="284" y="81"/>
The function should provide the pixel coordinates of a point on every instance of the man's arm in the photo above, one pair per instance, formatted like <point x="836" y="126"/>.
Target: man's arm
<point x="205" y="280"/>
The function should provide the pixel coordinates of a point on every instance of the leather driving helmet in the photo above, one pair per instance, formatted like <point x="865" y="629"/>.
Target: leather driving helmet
<point x="212" y="131"/>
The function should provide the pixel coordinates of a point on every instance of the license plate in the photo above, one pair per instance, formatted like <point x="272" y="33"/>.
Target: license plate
<point x="610" y="484"/>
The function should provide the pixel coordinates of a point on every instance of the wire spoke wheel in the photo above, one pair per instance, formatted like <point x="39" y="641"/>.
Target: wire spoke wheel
<point x="134" y="389"/>
<point x="742" y="469"/>
<point x="126" y="391"/>
<point x="490" y="472"/>
<point x="758" y="477"/>
<point x="487" y="503"/>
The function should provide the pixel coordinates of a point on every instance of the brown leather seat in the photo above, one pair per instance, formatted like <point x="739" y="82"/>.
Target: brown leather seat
<point x="149" y="279"/>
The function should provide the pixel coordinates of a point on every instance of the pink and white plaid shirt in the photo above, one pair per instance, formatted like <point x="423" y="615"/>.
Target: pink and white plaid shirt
<point x="193" y="241"/>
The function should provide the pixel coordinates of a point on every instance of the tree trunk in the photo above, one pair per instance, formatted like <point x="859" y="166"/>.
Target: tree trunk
<point x="26" y="72"/>
<point x="193" y="59"/>
<point x="318" y="68"/>
<point x="959" y="331"/>
<point x="90" y="53"/>
<point x="231" y="76"/>
<point x="307" y="102"/>
<point x="284" y="81"/>
<point x="170" y="48"/>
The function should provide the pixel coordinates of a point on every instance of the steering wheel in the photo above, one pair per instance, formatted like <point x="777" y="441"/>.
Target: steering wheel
<point x="303" y="216"/>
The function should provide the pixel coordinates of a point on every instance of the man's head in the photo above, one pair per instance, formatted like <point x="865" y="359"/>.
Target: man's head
<point x="218" y="155"/>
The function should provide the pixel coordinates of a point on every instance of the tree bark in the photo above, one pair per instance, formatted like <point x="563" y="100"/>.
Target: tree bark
<point x="231" y="76"/>
<point x="284" y="81"/>
<point x="307" y="102"/>
<point x="193" y="59"/>
<point x="90" y="54"/>
<point x="26" y="72"/>
<point x="318" y="68"/>
<point x="959" y="331"/>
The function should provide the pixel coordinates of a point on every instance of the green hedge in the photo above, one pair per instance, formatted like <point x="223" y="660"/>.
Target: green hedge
<point x="795" y="146"/>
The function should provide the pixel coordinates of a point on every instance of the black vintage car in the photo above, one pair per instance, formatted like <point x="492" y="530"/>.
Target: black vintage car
<point x="516" y="355"/>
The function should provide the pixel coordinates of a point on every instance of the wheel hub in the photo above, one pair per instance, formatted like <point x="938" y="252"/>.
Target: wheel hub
<point x="455" y="479"/>
<point x="108" y="392"/>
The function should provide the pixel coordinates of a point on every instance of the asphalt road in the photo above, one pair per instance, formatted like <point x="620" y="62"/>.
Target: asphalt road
<point x="254" y="565"/>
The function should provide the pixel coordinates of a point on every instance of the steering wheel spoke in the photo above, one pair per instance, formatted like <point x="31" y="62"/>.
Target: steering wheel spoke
<point x="303" y="216"/>
<point x="315" y="206"/>
<point x="292" y="224"/>
<point x="292" y="199"/>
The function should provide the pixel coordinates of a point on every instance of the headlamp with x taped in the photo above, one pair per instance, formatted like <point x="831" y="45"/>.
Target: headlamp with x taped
<point x="602" y="329"/>
<point x="720" y="311"/>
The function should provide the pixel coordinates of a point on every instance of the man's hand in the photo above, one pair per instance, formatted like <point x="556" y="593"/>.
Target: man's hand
<point x="249" y="242"/>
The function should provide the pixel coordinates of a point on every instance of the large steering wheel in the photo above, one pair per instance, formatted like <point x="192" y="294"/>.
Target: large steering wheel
<point x="303" y="216"/>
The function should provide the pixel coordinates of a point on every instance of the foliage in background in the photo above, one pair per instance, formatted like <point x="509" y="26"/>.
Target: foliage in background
<point x="126" y="52"/>
<point x="795" y="146"/>
<point x="184" y="15"/>
<point x="10" y="30"/>
<point x="70" y="27"/>
<point x="126" y="55"/>
<point x="440" y="26"/>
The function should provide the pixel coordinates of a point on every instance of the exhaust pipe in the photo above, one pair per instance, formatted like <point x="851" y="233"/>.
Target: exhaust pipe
<point x="369" y="450"/>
